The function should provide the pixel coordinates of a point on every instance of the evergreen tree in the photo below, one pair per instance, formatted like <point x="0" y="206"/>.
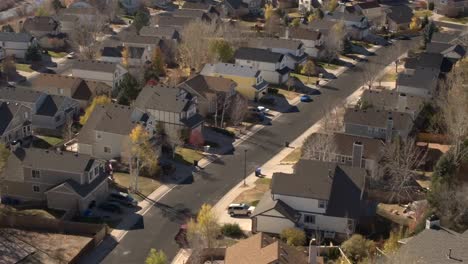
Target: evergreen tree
<point x="128" y="90"/>
<point x="141" y="19"/>
<point x="33" y="53"/>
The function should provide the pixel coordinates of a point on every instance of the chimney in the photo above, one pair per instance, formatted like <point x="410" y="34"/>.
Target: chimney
<point x="402" y="102"/>
<point x="389" y="128"/>
<point x="432" y="222"/>
<point x="313" y="251"/>
<point x="358" y="152"/>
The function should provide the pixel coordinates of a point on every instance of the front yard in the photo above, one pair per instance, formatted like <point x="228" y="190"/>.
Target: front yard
<point x="423" y="13"/>
<point x="292" y="157"/>
<point x="145" y="185"/>
<point x="46" y="142"/>
<point x="328" y="66"/>
<point x="461" y="20"/>
<point x="187" y="155"/>
<point x="252" y="196"/>
<point x="389" y="76"/>
<point x="43" y="212"/>
<point x="23" y="67"/>
<point x="305" y="79"/>
<point x="57" y="55"/>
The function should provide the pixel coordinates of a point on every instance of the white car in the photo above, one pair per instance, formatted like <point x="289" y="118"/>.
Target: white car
<point x="240" y="209"/>
<point x="262" y="109"/>
<point x="71" y="55"/>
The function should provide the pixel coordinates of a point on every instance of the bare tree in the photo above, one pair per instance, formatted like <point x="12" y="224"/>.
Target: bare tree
<point x="238" y="109"/>
<point x="334" y="41"/>
<point x="332" y="120"/>
<point x="369" y="74"/>
<point x="84" y="36"/>
<point x="319" y="146"/>
<point x="223" y="101"/>
<point x="452" y="206"/>
<point x="397" y="168"/>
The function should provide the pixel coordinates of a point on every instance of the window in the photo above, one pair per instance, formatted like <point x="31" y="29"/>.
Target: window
<point x="322" y="204"/>
<point x="343" y="159"/>
<point x="36" y="188"/>
<point x="60" y="91"/>
<point x="107" y="150"/>
<point x="36" y="174"/>
<point x="309" y="219"/>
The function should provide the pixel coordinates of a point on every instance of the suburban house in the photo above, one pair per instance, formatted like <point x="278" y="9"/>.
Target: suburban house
<point x="207" y="89"/>
<point x="357" y="25"/>
<point x="110" y="73"/>
<point x="375" y="123"/>
<point x="235" y="8"/>
<point x="421" y="75"/>
<point x="209" y="7"/>
<point x="435" y="244"/>
<point x="272" y="64"/>
<point x="160" y="32"/>
<point x="83" y="11"/>
<point x="349" y="150"/>
<point x="40" y="26"/>
<point x="311" y="39"/>
<point x="198" y="15"/>
<point x="16" y="44"/>
<point x="319" y="196"/>
<point x="293" y="50"/>
<point x="250" y="82"/>
<point x="444" y="37"/>
<point x="137" y="56"/>
<point x="75" y="88"/>
<point x="170" y="21"/>
<point x="67" y="23"/>
<point x="48" y="112"/>
<point x="264" y="249"/>
<point x="451" y="8"/>
<point x="15" y="122"/>
<point x="372" y="10"/>
<point x="106" y="133"/>
<point x="172" y="107"/>
<point x="64" y="180"/>
<point x="399" y="18"/>
<point x="389" y="100"/>
<point x="130" y="6"/>
<point x="453" y="52"/>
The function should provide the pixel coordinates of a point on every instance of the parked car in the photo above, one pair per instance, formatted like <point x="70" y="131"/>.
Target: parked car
<point x="123" y="199"/>
<point x="305" y="98"/>
<point x="240" y="209"/>
<point x="71" y="55"/>
<point x="110" y="207"/>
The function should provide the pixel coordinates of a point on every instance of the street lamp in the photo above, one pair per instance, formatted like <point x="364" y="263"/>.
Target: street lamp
<point x="245" y="166"/>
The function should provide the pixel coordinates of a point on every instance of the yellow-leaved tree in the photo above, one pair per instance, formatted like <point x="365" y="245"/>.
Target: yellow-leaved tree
<point x="142" y="154"/>
<point x="125" y="57"/>
<point x="415" y="23"/>
<point x="204" y="230"/>
<point x="268" y="11"/>
<point x="98" y="100"/>
<point x="156" y="257"/>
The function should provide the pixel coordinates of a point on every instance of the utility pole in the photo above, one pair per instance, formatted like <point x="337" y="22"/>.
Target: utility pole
<point x="245" y="166"/>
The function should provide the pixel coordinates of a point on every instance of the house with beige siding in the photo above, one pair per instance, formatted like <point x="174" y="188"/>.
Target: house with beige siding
<point x="110" y="73"/>
<point x="15" y="122"/>
<point x="63" y="180"/>
<point x="319" y="197"/>
<point x="16" y="44"/>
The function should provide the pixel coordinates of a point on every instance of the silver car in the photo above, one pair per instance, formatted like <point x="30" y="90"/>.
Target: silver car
<point x="240" y="209"/>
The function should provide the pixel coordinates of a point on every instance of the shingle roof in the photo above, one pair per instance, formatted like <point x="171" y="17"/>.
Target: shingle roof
<point x="340" y="185"/>
<point x="389" y="100"/>
<point x="164" y="21"/>
<point x="266" y="43"/>
<point x="82" y="189"/>
<point x="137" y="39"/>
<point x="15" y="37"/>
<point x="19" y="95"/>
<point x="442" y="37"/>
<point x="111" y="118"/>
<point x="421" y="78"/>
<point x="425" y="60"/>
<point x="194" y="13"/>
<point x="378" y="118"/>
<point x="235" y="4"/>
<point x="230" y="69"/>
<point x="342" y="16"/>
<point x="258" y="55"/>
<point x="95" y="65"/>
<point x="443" y="48"/>
<point x="303" y="33"/>
<point x="8" y="111"/>
<point x="50" y="105"/>
<point x="205" y="85"/>
<point x="266" y="204"/>
<point x="197" y="5"/>
<point x="401" y="14"/>
<point x="41" y="23"/>
<point x="263" y="249"/>
<point x="160" y="32"/>
<point x="163" y="98"/>
<point x="433" y="246"/>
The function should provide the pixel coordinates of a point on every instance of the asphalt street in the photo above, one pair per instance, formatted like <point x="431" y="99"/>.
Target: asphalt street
<point x="161" y="223"/>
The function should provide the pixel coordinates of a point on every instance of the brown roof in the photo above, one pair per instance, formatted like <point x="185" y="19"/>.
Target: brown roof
<point x="263" y="249"/>
<point x="378" y="118"/>
<point x="389" y="100"/>
<point x="206" y="85"/>
<point x="303" y="33"/>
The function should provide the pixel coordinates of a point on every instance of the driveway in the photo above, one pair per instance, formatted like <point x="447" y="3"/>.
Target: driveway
<point x="158" y="228"/>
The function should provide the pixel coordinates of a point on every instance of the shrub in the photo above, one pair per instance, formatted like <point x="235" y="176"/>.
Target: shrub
<point x="267" y="101"/>
<point x="357" y="248"/>
<point x="273" y="91"/>
<point x="232" y="230"/>
<point x="293" y="237"/>
<point x="431" y="6"/>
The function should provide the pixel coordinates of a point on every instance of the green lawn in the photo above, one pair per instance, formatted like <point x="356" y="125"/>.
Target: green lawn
<point x="304" y="78"/>
<point x="389" y="76"/>
<point x="362" y="44"/>
<point x="293" y="157"/>
<point x="461" y="20"/>
<point x="327" y="66"/>
<point x="53" y="141"/>
<point x="145" y="185"/>
<point x="24" y="67"/>
<point x="45" y="213"/>
<point x="423" y="13"/>
<point x="57" y="55"/>
<point x="187" y="156"/>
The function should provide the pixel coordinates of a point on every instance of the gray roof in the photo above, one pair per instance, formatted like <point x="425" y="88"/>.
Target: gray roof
<point x="432" y="246"/>
<point x="19" y="95"/>
<point x="442" y="37"/>
<point x="198" y="5"/>
<point x="341" y="186"/>
<point x="8" y="111"/>
<point x="368" y="5"/>
<point x="442" y="48"/>
<point x="95" y="65"/>
<point x="15" y="37"/>
<point x="52" y="160"/>
<point x="50" y="105"/>
<point x="163" y="98"/>
<point x="235" y="4"/>
<point x="378" y="118"/>
<point x="304" y="33"/>
<point x="254" y="54"/>
<point x="421" y="78"/>
<point x="343" y="16"/>
<point x="322" y="25"/>
<point x="266" y="204"/>
<point x="269" y="43"/>
<point x="111" y="118"/>
<point x="83" y="189"/>
<point x="230" y="69"/>
<point x="389" y="100"/>
<point x="41" y="23"/>
<point x="425" y="60"/>
<point x="137" y="39"/>
<point x="194" y="13"/>
<point x="400" y="14"/>
<point x="160" y="32"/>
<point x="164" y="21"/>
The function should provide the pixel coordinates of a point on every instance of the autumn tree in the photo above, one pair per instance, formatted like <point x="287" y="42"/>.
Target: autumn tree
<point x="357" y="248"/>
<point x="331" y="5"/>
<point x="142" y="155"/>
<point x="4" y="154"/>
<point x="98" y="100"/>
<point x="269" y="11"/>
<point x="293" y="237"/>
<point x="238" y="109"/>
<point x="203" y="231"/>
<point x="369" y="74"/>
<point x="84" y="36"/>
<point x="125" y="57"/>
<point x="9" y="66"/>
<point x="156" y="257"/>
<point x="193" y="49"/>
<point x="157" y="67"/>
<point x="67" y="129"/>
<point x="309" y="69"/>
<point x="415" y="23"/>
<point x="222" y="50"/>
<point x="296" y="22"/>
<point x="334" y="41"/>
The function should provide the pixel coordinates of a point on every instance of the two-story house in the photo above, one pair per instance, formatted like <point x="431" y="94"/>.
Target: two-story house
<point x="451" y="8"/>
<point x="349" y="150"/>
<point x="110" y="73"/>
<point x="393" y="101"/>
<point x="399" y="18"/>
<point x="75" y="88"/>
<point x="311" y="39"/>
<point x="453" y="52"/>
<point x="235" y="8"/>
<point x="106" y="133"/>
<point x="40" y="26"/>
<point x="168" y="33"/>
<point x="137" y="56"/>
<point x="211" y="92"/>
<point x="15" y="122"/>
<point x="250" y="82"/>
<point x="357" y="25"/>
<point x="372" y="10"/>
<point x="319" y="196"/>
<point x="272" y="64"/>
<point x="293" y="50"/>
<point x="172" y="107"/>
<point x="376" y="123"/>
<point x="16" y="44"/>
<point x="48" y="112"/>
<point x="64" y="180"/>
<point x="130" y="6"/>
